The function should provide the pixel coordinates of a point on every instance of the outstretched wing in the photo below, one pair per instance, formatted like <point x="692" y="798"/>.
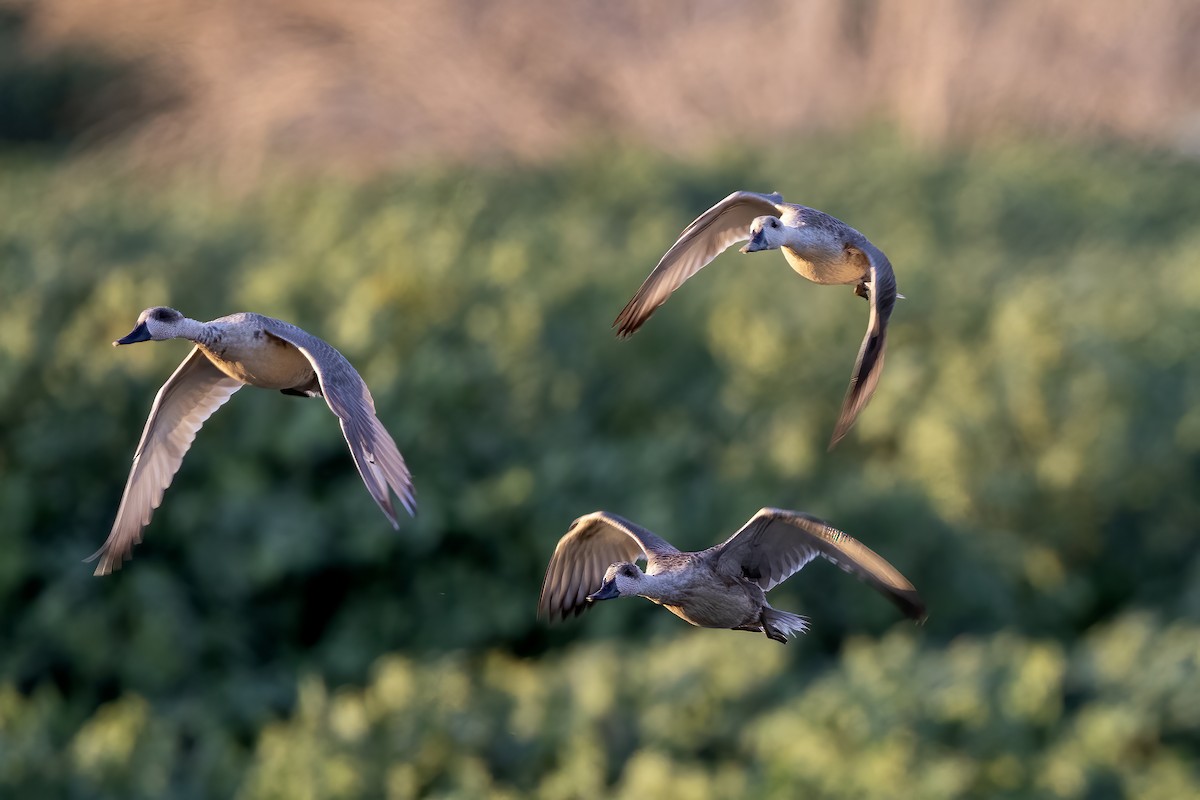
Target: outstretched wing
<point x="375" y="453"/>
<point x="869" y="366"/>
<point x="725" y="224"/>
<point x="189" y="397"/>
<point x="775" y="544"/>
<point x="586" y="550"/>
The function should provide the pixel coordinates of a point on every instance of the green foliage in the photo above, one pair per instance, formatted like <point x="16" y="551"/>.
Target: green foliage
<point x="691" y="717"/>
<point x="1030" y="462"/>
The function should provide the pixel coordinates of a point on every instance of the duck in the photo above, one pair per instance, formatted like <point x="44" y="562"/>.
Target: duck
<point x="724" y="586"/>
<point x="230" y="352"/>
<point x="818" y="246"/>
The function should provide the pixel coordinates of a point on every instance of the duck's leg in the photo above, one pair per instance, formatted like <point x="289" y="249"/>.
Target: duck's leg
<point x="862" y="291"/>
<point x="760" y="629"/>
<point x="776" y="635"/>
<point x="310" y="389"/>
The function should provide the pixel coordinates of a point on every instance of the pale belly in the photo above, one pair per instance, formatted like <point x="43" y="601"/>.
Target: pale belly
<point x="273" y="365"/>
<point x="833" y="270"/>
<point x="716" y="610"/>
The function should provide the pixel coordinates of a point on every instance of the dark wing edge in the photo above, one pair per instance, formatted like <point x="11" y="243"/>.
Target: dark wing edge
<point x="714" y="231"/>
<point x="776" y="535"/>
<point x="868" y="367"/>
<point x="201" y="389"/>
<point x="583" y="554"/>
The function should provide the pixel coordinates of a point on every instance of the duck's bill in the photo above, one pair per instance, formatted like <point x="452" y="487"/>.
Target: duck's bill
<point x="139" y="334"/>
<point x="756" y="243"/>
<point x="606" y="592"/>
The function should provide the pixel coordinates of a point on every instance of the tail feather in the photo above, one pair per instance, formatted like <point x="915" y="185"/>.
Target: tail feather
<point x="779" y="625"/>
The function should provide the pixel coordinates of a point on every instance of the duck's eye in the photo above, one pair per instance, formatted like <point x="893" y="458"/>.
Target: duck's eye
<point x="627" y="572"/>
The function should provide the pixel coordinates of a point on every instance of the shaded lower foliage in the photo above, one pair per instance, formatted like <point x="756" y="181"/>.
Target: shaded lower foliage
<point x="690" y="717"/>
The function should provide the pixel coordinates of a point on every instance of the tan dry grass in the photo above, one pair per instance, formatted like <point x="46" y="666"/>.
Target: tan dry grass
<point x="364" y="82"/>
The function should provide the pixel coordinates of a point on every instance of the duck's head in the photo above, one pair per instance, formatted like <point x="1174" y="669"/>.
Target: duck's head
<point x="621" y="580"/>
<point x="155" y="324"/>
<point x="766" y="233"/>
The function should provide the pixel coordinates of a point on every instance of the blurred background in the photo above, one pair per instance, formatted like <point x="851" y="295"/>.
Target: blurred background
<point x="461" y="195"/>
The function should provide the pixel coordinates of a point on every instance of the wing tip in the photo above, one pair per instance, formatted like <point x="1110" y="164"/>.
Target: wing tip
<point x="627" y="324"/>
<point x="409" y="501"/>
<point x="911" y="604"/>
<point x="635" y="313"/>
<point x="402" y="486"/>
<point x="839" y="433"/>
<point x="852" y="406"/>
<point x="110" y="562"/>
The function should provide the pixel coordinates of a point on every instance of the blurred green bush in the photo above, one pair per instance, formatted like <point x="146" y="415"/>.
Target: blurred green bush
<point x="1030" y="462"/>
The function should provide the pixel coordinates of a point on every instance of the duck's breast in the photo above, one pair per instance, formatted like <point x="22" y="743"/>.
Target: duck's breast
<point x="827" y="267"/>
<point x="715" y="604"/>
<point x="260" y="359"/>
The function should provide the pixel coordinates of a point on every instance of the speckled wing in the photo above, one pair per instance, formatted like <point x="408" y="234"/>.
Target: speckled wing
<point x="375" y="453"/>
<point x="725" y="224"/>
<point x="592" y="544"/>
<point x="869" y="365"/>
<point x="189" y="397"/>
<point x="775" y="544"/>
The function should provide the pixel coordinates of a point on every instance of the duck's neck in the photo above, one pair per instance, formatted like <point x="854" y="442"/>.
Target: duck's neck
<point x="812" y="243"/>
<point x="664" y="587"/>
<point x="204" y="333"/>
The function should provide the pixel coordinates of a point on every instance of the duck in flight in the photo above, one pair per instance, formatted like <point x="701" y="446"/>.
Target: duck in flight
<point x="722" y="587"/>
<point x="232" y="352"/>
<point x="820" y="247"/>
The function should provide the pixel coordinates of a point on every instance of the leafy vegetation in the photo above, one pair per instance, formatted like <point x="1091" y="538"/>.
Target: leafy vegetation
<point x="1030" y="461"/>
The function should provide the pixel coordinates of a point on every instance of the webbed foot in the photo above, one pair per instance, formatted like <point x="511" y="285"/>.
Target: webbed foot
<point x="776" y="635"/>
